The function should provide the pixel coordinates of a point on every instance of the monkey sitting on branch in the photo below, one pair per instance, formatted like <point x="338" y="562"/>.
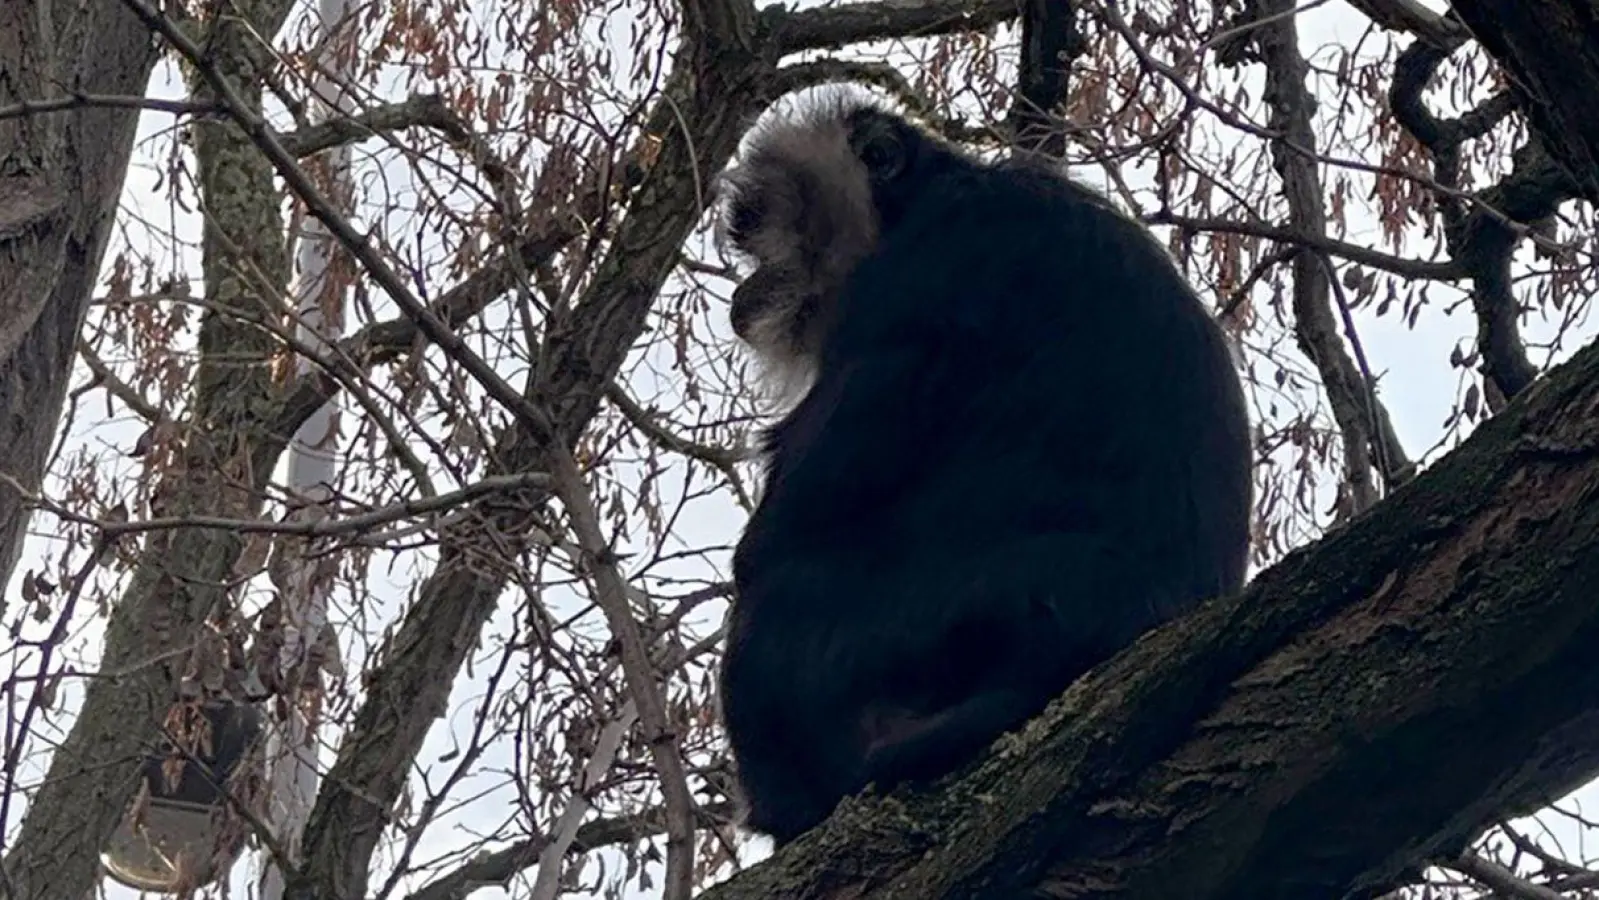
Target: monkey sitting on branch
<point x="1015" y="440"/>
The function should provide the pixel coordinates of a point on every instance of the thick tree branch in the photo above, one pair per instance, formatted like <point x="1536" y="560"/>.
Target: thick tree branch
<point x="1551" y="50"/>
<point x="58" y="198"/>
<point x="423" y="110"/>
<point x="1371" y="703"/>
<point x="1050" y="43"/>
<point x="1349" y="389"/>
<point x="718" y="22"/>
<point x="1409" y="15"/>
<point x="1502" y="880"/>
<point x="827" y="27"/>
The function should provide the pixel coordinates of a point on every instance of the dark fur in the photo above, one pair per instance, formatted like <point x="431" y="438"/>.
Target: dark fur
<point x="1024" y="444"/>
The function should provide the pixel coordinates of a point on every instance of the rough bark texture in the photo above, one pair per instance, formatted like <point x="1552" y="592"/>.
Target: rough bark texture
<point x="183" y="574"/>
<point x="1551" y="50"/>
<point x="61" y="175"/>
<point x="1371" y="701"/>
<point x="60" y="178"/>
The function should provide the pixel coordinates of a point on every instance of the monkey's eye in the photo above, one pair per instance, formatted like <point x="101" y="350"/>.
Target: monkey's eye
<point x="884" y="156"/>
<point x="743" y="219"/>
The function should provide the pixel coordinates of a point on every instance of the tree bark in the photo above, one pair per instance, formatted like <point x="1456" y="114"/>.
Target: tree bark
<point x="1551" y="50"/>
<point x="61" y="176"/>
<point x="183" y="576"/>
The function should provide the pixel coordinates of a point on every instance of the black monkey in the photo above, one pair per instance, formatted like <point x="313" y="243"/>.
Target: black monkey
<point x="1022" y="443"/>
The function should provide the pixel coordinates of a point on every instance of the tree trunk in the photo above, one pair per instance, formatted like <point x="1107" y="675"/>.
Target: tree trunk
<point x="61" y="176"/>
<point x="183" y="576"/>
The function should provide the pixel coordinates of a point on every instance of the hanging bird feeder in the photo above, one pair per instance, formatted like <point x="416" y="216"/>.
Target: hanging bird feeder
<point x="180" y="837"/>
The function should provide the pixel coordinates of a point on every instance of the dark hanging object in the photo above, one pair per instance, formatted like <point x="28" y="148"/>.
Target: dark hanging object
<point x="178" y="839"/>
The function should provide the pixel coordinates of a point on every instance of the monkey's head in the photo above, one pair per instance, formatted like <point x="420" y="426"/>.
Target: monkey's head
<point x="812" y="191"/>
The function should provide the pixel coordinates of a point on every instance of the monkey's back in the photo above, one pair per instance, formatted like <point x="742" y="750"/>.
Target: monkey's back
<point x="1056" y="372"/>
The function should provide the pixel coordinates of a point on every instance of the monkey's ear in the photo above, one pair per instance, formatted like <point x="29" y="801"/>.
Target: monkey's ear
<point x="883" y="151"/>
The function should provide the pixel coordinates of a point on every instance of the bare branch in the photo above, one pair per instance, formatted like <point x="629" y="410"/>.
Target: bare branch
<point x="829" y="70"/>
<point x="828" y="27"/>
<point x="329" y="527"/>
<point x="496" y="869"/>
<point x="724" y="459"/>
<point x="611" y="595"/>
<point x="80" y="101"/>
<point x="1501" y="880"/>
<point x="116" y="387"/>
<point x="1447" y="270"/>
<point x="552" y="860"/>
<point x="423" y="110"/>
